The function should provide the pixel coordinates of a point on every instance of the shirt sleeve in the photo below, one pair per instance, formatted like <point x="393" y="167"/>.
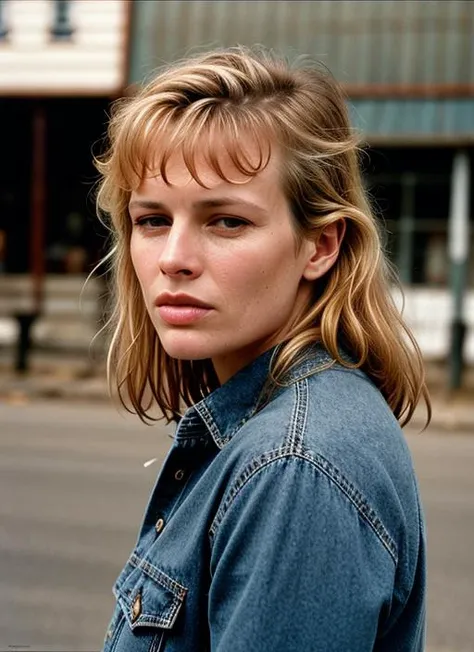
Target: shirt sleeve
<point x="295" y="567"/>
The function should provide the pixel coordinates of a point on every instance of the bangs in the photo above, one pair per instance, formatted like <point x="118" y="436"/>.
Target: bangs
<point x="207" y="135"/>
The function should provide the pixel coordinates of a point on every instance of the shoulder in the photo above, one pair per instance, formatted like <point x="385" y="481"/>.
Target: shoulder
<point x="336" y="422"/>
<point x="337" y="413"/>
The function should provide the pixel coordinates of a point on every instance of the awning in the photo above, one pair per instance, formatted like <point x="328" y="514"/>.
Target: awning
<point x="414" y="120"/>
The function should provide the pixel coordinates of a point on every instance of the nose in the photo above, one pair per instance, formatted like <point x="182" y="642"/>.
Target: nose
<point x="180" y="255"/>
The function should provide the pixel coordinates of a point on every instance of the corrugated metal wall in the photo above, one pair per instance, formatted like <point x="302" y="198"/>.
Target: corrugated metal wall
<point x="362" y="42"/>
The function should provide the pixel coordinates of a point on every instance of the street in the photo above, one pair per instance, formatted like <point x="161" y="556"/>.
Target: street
<point x="73" y="489"/>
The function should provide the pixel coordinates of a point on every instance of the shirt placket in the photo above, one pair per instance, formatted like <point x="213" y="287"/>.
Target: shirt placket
<point x="184" y="459"/>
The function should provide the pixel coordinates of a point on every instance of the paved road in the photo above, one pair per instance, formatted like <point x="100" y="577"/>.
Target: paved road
<point x="73" y="488"/>
<point x="445" y="467"/>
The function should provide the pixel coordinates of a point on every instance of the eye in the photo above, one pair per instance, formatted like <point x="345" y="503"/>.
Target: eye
<point x="152" y="221"/>
<point x="229" y="223"/>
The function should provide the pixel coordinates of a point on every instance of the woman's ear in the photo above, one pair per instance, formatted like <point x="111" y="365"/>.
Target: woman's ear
<point x="324" y="250"/>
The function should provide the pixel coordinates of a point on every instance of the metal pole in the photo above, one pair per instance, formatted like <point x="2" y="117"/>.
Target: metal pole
<point x="38" y="206"/>
<point x="458" y="233"/>
<point x="37" y="229"/>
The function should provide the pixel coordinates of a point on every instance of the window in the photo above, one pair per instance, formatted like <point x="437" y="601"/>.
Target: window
<point x="62" y="28"/>
<point x="3" y="24"/>
<point x="410" y="189"/>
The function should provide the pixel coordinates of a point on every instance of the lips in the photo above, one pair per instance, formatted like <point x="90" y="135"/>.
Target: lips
<point x="181" y="309"/>
<point x="168" y="299"/>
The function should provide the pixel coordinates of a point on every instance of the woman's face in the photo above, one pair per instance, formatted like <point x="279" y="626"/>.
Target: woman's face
<point x="219" y="269"/>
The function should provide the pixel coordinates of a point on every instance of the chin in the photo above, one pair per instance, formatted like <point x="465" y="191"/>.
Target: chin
<point x="186" y="346"/>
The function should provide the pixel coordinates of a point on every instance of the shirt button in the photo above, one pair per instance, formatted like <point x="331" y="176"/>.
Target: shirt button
<point x="160" y="524"/>
<point x="179" y="475"/>
<point x="136" y="607"/>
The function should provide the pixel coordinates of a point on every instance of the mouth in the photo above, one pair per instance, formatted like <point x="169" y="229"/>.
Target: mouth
<point x="181" y="309"/>
<point x="181" y="300"/>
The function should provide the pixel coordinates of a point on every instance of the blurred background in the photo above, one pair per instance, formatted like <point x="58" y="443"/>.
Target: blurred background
<point x="70" y="465"/>
<point x="407" y="68"/>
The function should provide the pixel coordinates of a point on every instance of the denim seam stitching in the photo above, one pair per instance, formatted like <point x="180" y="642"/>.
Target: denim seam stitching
<point x="161" y="621"/>
<point x="298" y="416"/>
<point x="217" y="436"/>
<point x="220" y="440"/>
<point x="363" y="508"/>
<point x="293" y="420"/>
<point x="246" y="474"/>
<point x="159" y="576"/>
<point x="119" y="625"/>
<point x="367" y="513"/>
<point x="304" y="373"/>
<point x="300" y="426"/>
<point x="156" y="645"/>
<point x="165" y="622"/>
<point x="209" y="422"/>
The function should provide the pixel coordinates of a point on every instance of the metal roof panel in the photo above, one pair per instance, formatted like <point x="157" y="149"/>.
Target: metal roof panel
<point x="362" y="42"/>
<point x="440" y="119"/>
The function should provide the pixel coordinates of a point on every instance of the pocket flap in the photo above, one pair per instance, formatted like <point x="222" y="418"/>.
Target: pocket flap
<point x="148" y="596"/>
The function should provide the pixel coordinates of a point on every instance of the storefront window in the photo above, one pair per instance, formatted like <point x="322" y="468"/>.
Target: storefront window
<point x="410" y="191"/>
<point x="74" y="237"/>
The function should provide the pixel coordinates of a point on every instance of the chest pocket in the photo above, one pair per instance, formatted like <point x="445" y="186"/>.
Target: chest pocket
<point x="149" y="602"/>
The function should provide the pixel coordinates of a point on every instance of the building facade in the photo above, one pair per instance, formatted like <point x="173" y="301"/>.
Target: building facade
<point x="61" y="65"/>
<point x="408" y="70"/>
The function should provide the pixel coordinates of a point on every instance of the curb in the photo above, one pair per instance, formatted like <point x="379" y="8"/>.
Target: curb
<point x="87" y="390"/>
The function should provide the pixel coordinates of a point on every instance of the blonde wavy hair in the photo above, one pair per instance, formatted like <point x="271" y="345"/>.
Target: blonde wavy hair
<point x="300" y="109"/>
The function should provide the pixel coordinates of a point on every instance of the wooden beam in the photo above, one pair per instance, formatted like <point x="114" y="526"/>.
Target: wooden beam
<point x="38" y="206"/>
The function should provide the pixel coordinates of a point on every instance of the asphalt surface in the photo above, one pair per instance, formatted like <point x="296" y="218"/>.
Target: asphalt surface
<point x="73" y="488"/>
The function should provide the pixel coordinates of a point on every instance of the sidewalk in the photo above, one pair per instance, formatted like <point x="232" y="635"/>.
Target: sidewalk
<point x="74" y="378"/>
<point x="67" y="375"/>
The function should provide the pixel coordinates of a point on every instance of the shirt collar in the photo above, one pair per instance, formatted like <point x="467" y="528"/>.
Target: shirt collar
<point x="227" y="408"/>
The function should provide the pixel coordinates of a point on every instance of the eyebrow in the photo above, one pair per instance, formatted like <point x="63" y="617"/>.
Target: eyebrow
<point x="203" y="203"/>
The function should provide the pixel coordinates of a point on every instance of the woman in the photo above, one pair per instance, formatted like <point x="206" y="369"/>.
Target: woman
<point x="252" y="294"/>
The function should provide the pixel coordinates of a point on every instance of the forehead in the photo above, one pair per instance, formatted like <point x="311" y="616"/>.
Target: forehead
<point x="208" y="172"/>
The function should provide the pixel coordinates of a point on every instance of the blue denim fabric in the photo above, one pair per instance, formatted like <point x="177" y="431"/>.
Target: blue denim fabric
<point x="292" y="522"/>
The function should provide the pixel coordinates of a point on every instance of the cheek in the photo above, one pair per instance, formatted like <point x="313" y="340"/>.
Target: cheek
<point x="144" y="259"/>
<point x="135" y="254"/>
<point x="244" y="274"/>
<point x="258" y="276"/>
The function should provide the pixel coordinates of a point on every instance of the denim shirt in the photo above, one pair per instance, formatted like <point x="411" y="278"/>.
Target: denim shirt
<point x="289" y="522"/>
